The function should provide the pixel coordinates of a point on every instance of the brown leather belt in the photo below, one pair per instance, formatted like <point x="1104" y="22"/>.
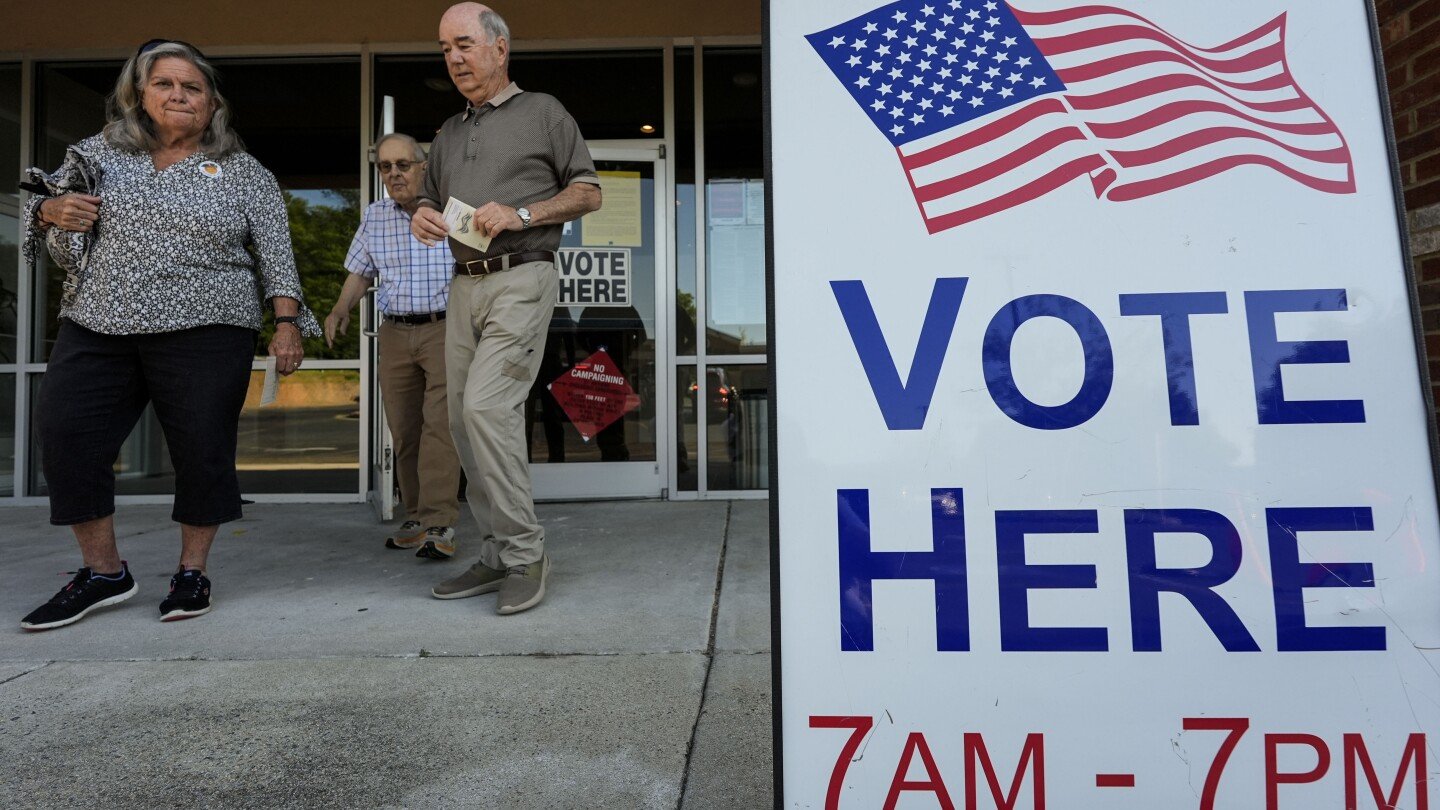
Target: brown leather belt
<point x="426" y="317"/>
<point x="505" y="261"/>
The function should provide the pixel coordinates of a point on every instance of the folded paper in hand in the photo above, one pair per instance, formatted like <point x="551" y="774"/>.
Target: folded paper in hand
<point x="458" y="216"/>
<point x="272" y="382"/>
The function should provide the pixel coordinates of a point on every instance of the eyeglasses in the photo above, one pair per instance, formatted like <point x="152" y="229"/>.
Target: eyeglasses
<point x="155" y="43"/>
<point x="403" y="165"/>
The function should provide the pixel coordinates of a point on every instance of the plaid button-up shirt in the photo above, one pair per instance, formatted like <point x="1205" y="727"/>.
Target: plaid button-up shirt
<point x="414" y="279"/>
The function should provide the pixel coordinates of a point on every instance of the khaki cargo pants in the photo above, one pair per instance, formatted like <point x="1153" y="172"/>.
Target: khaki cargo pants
<point x="494" y="339"/>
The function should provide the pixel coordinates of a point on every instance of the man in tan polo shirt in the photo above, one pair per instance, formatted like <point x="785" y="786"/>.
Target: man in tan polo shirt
<point x="520" y="160"/>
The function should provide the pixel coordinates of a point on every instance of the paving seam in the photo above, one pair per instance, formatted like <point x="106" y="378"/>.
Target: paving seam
<point x="26" y="672"/>
<point x="397" y="657"/>
<point x="709" y="656"/>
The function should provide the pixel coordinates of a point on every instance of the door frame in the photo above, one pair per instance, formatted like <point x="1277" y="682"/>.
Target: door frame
<point x="582" y="481"/>
<point x="632" y="479"/>
<point x="377" y="444"/>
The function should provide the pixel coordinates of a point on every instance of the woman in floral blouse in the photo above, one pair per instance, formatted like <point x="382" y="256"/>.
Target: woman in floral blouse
<point x="191" y="241"/>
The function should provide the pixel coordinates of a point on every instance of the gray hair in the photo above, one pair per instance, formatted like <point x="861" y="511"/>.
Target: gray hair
<point x="494" y="26"/>
<point x="414" y="145"/>
<point x="130" y="128"/>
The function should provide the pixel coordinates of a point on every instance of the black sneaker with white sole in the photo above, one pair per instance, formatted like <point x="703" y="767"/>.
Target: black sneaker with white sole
<point x="85" y="593"/>
<point x="189" y="596"/>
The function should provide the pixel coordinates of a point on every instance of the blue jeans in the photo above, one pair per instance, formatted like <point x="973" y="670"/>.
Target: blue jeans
<point x="95" y="389"/>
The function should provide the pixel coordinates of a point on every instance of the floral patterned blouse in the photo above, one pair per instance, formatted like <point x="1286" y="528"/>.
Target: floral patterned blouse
<point x="194" y="244"/>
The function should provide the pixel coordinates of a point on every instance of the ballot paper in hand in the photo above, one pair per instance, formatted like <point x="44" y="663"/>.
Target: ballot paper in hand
<point x="458" y="216"/>
<point x="272" y="382"/>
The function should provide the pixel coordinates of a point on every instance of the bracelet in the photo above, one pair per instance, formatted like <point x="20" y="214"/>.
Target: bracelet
<point x="293" y="320"/>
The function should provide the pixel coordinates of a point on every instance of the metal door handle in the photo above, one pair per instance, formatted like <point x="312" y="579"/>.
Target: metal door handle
<point x="365" y="328"/>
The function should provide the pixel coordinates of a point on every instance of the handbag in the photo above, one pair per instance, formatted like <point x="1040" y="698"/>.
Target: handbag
<point x="80" y="173"/>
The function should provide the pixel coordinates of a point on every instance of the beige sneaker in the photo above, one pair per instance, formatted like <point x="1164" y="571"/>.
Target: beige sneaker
<point x="477" y="579"/>
<point x="523" y="587"/>
<point x="439" y="543"/>
<point x="410" y="535"/>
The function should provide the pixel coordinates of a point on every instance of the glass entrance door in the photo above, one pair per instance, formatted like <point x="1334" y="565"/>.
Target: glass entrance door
<point x="596" y="417"/>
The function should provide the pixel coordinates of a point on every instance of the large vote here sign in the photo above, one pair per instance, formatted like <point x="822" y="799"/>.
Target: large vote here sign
<point x="1104" y="477"/>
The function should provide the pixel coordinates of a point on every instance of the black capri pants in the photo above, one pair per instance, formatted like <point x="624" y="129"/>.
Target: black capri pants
<point x="95" y="389"/>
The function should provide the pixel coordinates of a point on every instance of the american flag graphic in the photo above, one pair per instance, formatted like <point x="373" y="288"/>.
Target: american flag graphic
<point x="990" y="106"/>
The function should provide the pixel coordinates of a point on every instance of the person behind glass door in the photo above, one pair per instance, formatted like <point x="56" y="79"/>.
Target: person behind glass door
<point x="167" y="314"/>
<point x="558" y="357"/>
<point x="620" y="333"/>
<point x="414" y="286"/>
<point x="519" y="158"/>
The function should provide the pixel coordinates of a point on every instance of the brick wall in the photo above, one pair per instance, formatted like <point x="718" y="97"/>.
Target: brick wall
<point x="1410" y="35"/>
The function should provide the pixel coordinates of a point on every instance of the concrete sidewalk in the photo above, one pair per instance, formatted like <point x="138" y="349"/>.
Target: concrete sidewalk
<point x="328" y="677"/>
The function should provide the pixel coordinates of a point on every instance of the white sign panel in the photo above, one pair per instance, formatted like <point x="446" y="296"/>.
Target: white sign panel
<point x="1104" y="477"/>
<point x="593" y="277"/>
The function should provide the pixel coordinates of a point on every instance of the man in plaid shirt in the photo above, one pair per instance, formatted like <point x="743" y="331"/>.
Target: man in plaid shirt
<point x="414" y="285"/>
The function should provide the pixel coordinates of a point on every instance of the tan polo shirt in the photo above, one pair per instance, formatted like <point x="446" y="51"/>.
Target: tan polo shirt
<point x="516" y="149"/>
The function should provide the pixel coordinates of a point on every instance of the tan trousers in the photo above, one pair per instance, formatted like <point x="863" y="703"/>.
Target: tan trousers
<point x="495" y="337"/>
<point x="412" y="387"/>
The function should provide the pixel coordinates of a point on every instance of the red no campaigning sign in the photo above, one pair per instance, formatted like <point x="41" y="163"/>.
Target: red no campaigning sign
<point x="593" y="393"/>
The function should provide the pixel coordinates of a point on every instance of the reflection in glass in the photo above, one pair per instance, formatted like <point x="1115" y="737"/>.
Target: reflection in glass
<point x="35" y="479"/>
<point x="322" y="223"/>
<point x="585" y="82"/>
<point x="733" y="407"/>
<point x="686" y="325"/>
<point x="9" y="127"/>
<point x="308" y="441"/>
<point x="593" y="319"/>
<point x="308" y="140"/>
<point x="735" y="203"/>
<point x="9" y="210"/>
<point x="735" y="401"/>
<point x="7" y="434"/>
<point x="687" y="458"/>
<point x="9" y="282"/>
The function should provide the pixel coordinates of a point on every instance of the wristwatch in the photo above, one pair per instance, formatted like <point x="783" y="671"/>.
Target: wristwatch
<point x="524" y="214"/>
<point x="40" y="220"/>
<point x="293" y="320"/>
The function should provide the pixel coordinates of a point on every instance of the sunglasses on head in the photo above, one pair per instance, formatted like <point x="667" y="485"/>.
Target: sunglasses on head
<point x="155" y="43"/>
